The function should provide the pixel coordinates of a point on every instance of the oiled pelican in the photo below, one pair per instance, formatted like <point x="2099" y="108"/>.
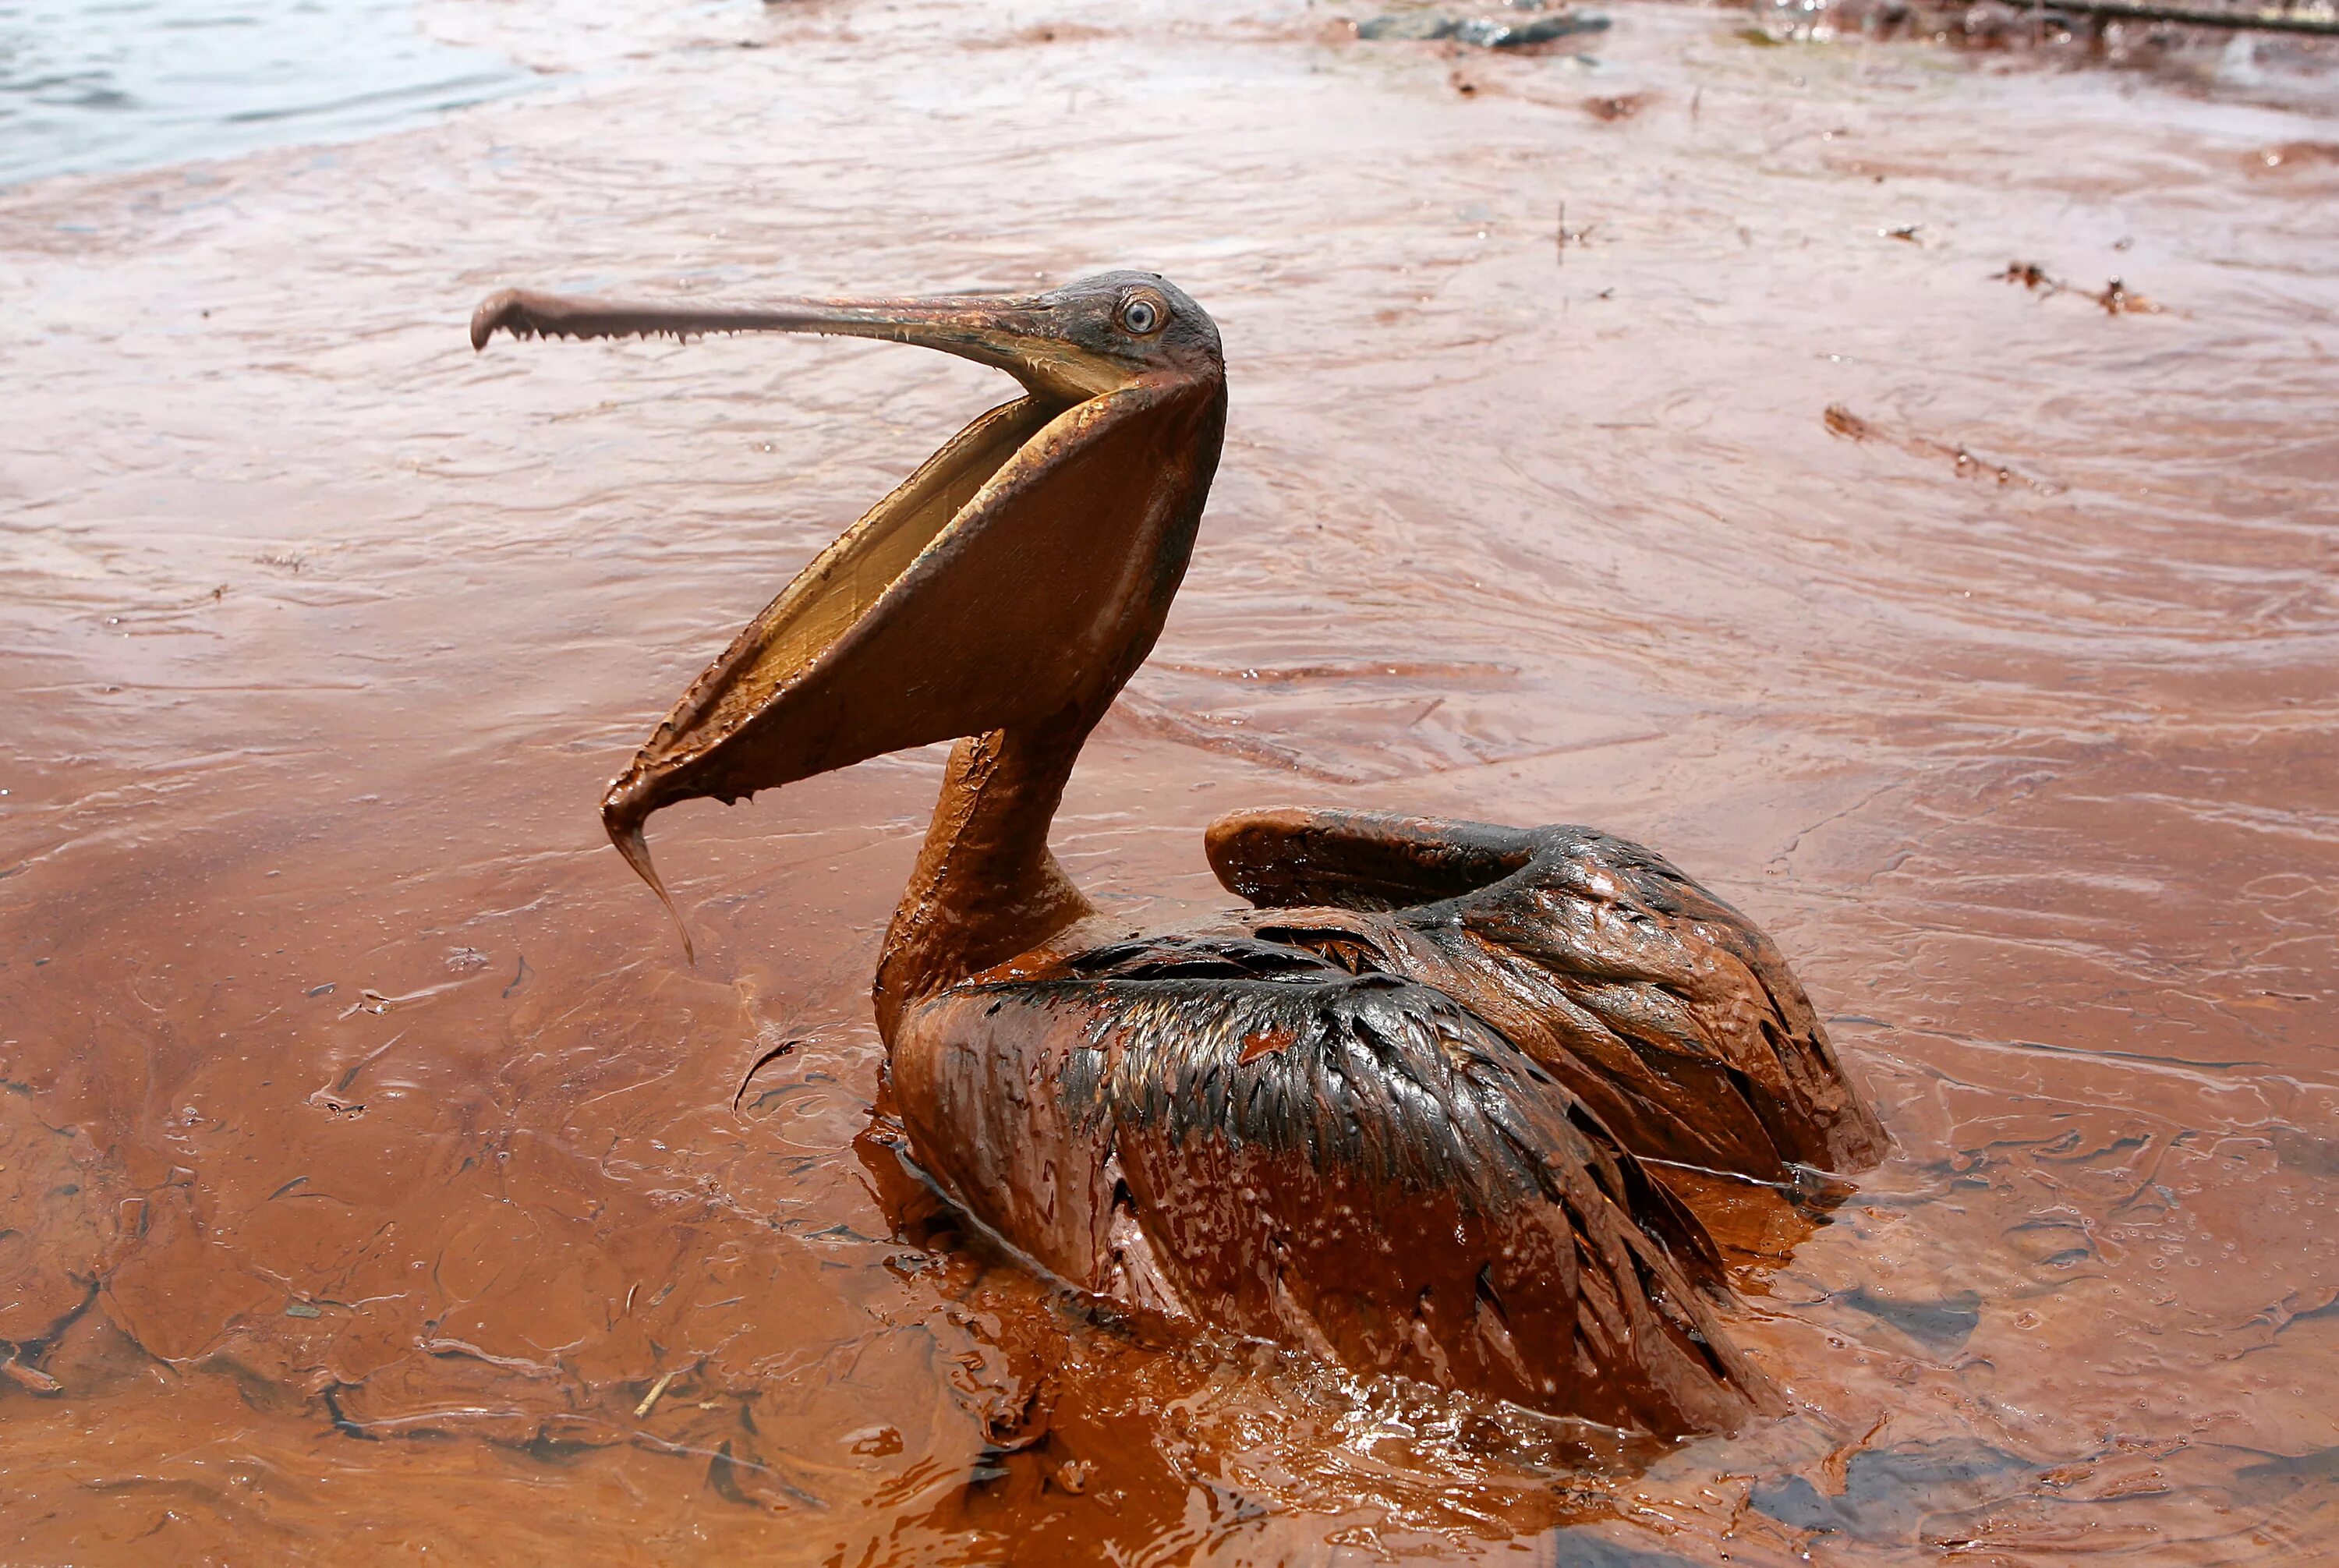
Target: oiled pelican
<point x="1398" y="1112"/>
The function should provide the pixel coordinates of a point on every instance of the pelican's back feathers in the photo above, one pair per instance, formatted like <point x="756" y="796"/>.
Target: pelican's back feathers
<point x="1660" y="1005"/>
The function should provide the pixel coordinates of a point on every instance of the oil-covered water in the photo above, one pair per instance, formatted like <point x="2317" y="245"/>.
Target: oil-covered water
<point x="1655" y="439"/>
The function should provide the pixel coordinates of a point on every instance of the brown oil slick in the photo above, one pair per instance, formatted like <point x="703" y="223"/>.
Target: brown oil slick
<point x="373" y="1178"/>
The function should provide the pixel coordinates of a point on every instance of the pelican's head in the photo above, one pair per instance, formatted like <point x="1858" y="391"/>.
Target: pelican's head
<point x="1017" y="578"/>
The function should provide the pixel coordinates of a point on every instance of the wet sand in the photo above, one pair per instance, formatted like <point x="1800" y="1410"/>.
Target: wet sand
<point x="374" y="1176"/>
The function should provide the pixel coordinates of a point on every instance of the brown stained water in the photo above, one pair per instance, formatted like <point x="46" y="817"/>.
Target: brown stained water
<point x="376" y="1180"/>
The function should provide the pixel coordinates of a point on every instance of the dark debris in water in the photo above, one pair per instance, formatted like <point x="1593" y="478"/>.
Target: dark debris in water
<point x="1842" y="421"/>
<point x="2303" y="1151"/>
<point x="1942" y="1324"/>
<point x="2273" y="50"/>
<point x="1481" y="31"/>
<point x="1619" y="107"/>
<point x="1889" y="1494"/>
<point x="2115" y="297"/>
<point x="1582" y="1546"/>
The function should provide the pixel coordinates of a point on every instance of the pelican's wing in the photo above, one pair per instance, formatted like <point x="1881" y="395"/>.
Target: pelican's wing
<point x="1664" y="1009"/>
<point x="1353" y="1164"/>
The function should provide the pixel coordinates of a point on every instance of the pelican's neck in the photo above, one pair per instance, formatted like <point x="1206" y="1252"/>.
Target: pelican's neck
<point x="985" y="887"/>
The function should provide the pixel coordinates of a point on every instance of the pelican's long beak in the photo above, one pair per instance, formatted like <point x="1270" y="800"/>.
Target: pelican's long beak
<point x="1014" y="335"/>
<point x="1022" y="569"/>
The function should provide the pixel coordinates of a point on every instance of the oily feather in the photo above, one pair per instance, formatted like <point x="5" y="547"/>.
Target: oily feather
<point x="1236" y="1132"/>
<point x="1667" y="1011"/>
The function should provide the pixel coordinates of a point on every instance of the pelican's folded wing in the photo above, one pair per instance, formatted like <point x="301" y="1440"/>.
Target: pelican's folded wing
<point x="1666" y="1010"/>
<point x="1352" y="1164"/>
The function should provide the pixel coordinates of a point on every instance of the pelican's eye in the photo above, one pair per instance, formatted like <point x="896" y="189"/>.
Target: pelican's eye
<point x="1141" y="315"/>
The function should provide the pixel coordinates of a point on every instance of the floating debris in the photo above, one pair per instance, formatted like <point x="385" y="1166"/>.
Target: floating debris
<point x="2118" y="299"/>
<point x="1620" y="106"/>
<point x="1842" y="421"/>
<point x="2108" y="29"/>
<point x="657" y="1391"/>
<point x="884" y="1439"/>
<point x="1565" y="236"/>
<point x="1481" y="31"/>
<point x="32" y="1380"/>
<point x="2115" y="297"/>
<point x="2313" y="20"/>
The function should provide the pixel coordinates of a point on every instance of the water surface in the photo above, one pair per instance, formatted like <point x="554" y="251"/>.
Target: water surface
<point x="1654" y="442"/>
<point x="92" y="85"/>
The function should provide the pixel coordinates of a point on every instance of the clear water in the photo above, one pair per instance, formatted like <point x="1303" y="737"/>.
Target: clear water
<point x="109" y="84"/>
